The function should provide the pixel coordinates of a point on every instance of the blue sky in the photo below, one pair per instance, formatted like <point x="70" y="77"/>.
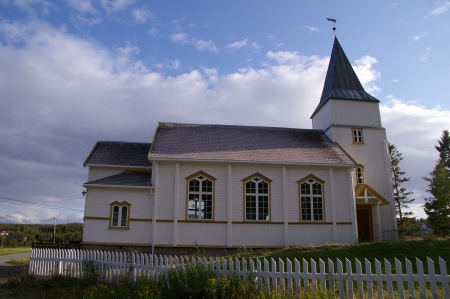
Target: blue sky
<point x="74" y="72"/>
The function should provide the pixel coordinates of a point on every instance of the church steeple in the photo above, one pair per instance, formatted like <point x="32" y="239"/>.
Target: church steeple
<point x="341" y="81"/>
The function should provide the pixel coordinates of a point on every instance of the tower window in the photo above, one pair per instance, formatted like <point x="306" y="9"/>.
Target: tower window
<point x="358" y="136"/>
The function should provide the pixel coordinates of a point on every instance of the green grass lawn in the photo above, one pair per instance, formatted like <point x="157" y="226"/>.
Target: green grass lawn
<point x="7" y="250"/>
<point x="65" y="287"/>
<point x="388" y="250"/>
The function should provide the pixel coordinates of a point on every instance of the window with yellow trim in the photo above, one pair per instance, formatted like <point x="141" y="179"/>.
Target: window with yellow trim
<point x="200" y="196"/>
<point x="311" y="199"/>
<point x="257" y="190"/>
<point x="120" y="214"/>
<point x="357" y="135"/>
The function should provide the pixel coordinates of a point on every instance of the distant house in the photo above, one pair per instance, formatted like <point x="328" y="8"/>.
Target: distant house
<point x="233" y="186"/>
<point x="5" y="232"/>
<point x="425" y="228"/>
<point x="17" y="239"/>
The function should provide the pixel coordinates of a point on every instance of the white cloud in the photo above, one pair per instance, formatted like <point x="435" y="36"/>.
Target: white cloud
<point x="78" y="92"/>
<point x="83" y="6"/>
<point x="89" y="21"/>
<point x="179" y="37"/>
<point x="172" y="64"/>
<point x="200" y="44"/>
<point x="392" y="5"/>
<point x="30" y="6"/>
<point x="153" y="32"/>
<point x="441" y="9"/>
<point x="115" y="5"/>
<point x="426" y="55"/>
<point x="204" y="45"/>
<point x="238" y="44"/>
<point x="141" y="15"/>
<point x="283" y="57"/>
<point x="415" y="130"/>
<point x="367" y="74"/>
<point x="418" y="37"/>
<point x="311" y="29"/>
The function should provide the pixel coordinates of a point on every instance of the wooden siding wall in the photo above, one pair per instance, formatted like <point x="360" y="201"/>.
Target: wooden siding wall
<point x="98" y="172"/>
<point x="338" y="117"/>
<point x="139" y="199"/>
<point x="223" y="231"/>
<point x="372" y="154"/>
<point x="98" y="232"/>
<point x="97" y="216"/>
<point x="363" y="113"/>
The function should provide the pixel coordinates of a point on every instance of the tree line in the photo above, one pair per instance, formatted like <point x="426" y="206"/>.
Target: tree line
<point x="42" y="233"/>
<point x="437" y="205"/>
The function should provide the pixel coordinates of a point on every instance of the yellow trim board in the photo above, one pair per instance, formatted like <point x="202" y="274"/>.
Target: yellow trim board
<point x="361" y="189"/>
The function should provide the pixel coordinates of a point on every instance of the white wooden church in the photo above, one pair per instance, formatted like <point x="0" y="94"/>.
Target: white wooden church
<point x="227" y="186"/>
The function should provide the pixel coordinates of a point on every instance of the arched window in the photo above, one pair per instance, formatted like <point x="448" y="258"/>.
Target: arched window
<point x="311" y="199"/>
<point x="257" y="195"/>
<point x="200" y="195"/>
<point x="120" y="214"/>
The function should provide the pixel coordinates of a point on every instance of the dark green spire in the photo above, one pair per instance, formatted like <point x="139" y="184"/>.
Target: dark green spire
<point x="341" y="81"/>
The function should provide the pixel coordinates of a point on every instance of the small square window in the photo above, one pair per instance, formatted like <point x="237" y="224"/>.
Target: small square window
<point x="357" y="135"/>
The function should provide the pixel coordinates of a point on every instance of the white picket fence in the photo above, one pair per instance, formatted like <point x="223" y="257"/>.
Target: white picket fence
<point x="274" y="275"/>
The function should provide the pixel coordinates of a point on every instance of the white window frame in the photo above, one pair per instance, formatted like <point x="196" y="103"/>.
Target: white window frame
<point x="120" y="214"/>
<point x="357" y="135"/>
<point x="360" y="180"/>
<point x="261" y="208"/>
<point x="314" y="201"/>
<point x="197" y="205"/>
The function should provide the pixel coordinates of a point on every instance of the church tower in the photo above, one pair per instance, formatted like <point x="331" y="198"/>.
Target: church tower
<point x="350" y="116"/>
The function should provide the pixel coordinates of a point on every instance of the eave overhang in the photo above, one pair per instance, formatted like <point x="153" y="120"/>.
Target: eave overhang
<point x="361" y="188"/>
<point x="254" y="162"/>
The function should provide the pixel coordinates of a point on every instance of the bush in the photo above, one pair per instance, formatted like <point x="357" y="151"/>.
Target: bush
<point x="194" y="281"/>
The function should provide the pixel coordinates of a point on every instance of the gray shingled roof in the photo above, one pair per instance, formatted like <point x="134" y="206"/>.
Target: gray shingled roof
<point x="341" y="81"/>
<point x="245" y="144"/>
<point x="126" y="178"/>
<point x="119" y="153"/>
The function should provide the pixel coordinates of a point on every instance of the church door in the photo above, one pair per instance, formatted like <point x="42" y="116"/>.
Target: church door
<point x="364" y="218"/>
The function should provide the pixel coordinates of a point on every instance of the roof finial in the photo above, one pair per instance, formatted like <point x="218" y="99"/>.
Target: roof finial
<point x="334" y="22"/>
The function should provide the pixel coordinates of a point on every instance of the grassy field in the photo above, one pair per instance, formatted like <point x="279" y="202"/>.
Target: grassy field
<point x="60" y="287"/>
<point x="371" y="251"/>
<point x="7" y="250"/>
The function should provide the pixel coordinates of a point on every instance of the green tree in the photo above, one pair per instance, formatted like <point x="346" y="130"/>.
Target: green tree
<point x="437" y="207"/>
<point x="401" y="195"/>
<point x="444" y="149"/>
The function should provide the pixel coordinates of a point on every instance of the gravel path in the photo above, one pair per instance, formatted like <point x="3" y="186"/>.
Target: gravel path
<point x="6" y="269"/>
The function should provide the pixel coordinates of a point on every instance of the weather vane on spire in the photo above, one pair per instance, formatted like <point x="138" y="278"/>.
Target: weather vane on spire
<point x="334" y="22"/>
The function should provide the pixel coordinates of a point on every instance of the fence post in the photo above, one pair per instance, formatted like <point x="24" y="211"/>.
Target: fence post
<point x="399" y="278"/>
<point x="410" y="279"/>
<point x="421" y="278"/>
<point x="45" y="262"/>
<point x="444" y="277"/>
<point x="369" y="278"/>
<point x="348" y="278"/>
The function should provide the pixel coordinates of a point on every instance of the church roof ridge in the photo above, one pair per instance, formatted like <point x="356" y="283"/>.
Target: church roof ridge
<point x="249" y="127"/>
<point x="341" y="81"/>
<point x="246" y="144"/>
